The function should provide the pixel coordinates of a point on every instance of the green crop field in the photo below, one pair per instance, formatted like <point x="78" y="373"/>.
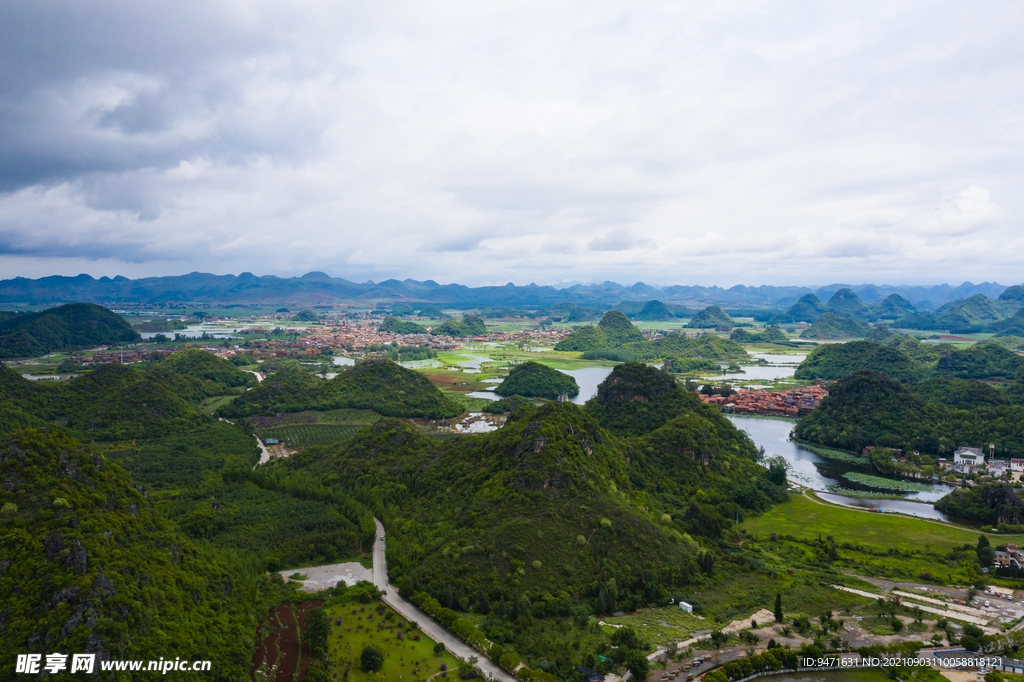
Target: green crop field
<point x="405" y="658"/>
<point x="312" y="434"/>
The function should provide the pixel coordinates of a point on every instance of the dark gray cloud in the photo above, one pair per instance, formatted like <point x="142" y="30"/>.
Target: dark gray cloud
<point x="708" y="141"/>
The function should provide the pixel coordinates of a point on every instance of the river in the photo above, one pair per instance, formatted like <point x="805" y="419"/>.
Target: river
<point x="818" y="473"/>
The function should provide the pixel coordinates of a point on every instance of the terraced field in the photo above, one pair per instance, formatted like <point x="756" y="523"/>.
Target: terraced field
<point x="303" y="429"/>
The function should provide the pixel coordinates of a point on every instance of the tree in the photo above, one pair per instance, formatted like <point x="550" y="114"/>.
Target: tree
<point x="439" y="648"/>
<point x="778" y="607"/>
<point x="985" y="552"/>
<point x="897" y="625"/>
<point x="637" y="664"/>
<point x="318" y="626"/>
<point x="371" y="659"/>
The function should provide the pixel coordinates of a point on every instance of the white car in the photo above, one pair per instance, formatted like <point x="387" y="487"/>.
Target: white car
<point x="986" y="603"/>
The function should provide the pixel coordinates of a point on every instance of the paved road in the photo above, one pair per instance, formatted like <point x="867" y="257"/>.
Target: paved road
<point x="428" y="626"/>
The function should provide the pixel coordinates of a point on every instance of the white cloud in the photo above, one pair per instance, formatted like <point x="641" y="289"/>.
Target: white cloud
<point x="767" y="142"/>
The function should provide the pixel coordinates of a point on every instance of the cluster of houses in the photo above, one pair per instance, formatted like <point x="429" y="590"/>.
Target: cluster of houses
<point x="971" y="460"/>
<point x="793" y="403"/>
<point x="1013" y="557"/>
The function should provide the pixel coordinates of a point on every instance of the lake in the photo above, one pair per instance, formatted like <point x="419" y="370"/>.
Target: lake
<point x="818" y="473"/>
<point x="778" y="367"/>
<point x="588" y="379"/>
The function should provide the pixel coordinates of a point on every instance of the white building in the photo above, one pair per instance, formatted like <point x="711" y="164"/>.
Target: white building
<point x="686" y="607"/>
<point x="972" y="457"/>
<point x="1017" y="465"/>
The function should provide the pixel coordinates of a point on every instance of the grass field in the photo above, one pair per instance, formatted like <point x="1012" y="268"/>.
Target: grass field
<point x="804" y="518"/>
<point x="867" y="543"/>
<point x="405" y="658"/>
<point x="661" y="625"/>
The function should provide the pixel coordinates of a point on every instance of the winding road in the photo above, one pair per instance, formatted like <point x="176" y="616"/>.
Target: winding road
<point x="429" y="627"/>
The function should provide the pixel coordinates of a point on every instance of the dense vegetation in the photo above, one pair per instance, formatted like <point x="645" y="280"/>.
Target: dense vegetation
<point x="73" y="324"/>
<point x="835" y="361"/>
<point x="470" y="325"/>
<point x="90" y="566"/>
<point x="207" y="367"/>
<point x="907" y="359"/>
<point x="829" y="326"/>
<point x="553" y="515"/>
<point x="379" y="385"/>
<point x="534" y="380"/>
<point x="706" y="346"/>
<point x="994" y="504"/>
<point x="868" y="408"/>
<point x="305" y="316"/>
<point x="894" y="307"/>
<point x="769" y="335"/>
<point x="846" y="303"/>
<point x="394" y="325"/>
<point x="431" y="312"/>
<point x="807" y="309"/>
<point x="981" y="361"/>
<point x="613" y="331"/>
<point x="711" y="317"/>
<point x="655" y="311"/>
<point x="508" y="404"/>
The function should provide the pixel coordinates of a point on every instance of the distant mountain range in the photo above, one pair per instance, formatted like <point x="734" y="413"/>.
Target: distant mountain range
<point x="319" y="288"/>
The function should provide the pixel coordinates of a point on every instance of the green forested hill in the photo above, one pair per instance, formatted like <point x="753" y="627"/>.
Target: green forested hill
<point x="981" y="361"/>
<point x="207" y="367"/>
<point x="636" y="399"/>
<point x="846" y="303"/>
<point x="396" y="326"/>
<point x="72" y="324"/>
<point x="379" y="385"/>
<point x="807" y="309"/>
<point x="534" y="380"/>
<point x="894" y="306"/>
<point x="114" y="402"/>
<point x="470" y="325"/>
<point x="769" y="335"/>
<point x="706" y="346"/>
<point x="962" y="394"/>
<point x="305" y="316"/>
<point x="868" y="408"/>
<point x="710" y="318"/>
<point x="553" y="514"/>
<point x="613" y="331"/>
<point x="993" y="504"/>
<point x="654" y="311"/>
<point x="837" y="360"/>
<point x="89" y="566"/>
<point x="829" y="326"/>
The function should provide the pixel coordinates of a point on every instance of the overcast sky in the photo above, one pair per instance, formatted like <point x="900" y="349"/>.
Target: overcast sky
<point x="683" y="142"/>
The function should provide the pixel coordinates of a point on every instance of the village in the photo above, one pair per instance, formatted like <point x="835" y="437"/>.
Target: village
<point x="793" y="403"/>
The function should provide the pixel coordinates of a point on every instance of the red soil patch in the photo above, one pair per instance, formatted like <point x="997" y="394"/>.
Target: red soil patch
<point x="304" y="610"/>
<point x="289" y="646"/>
<point x="284" y="642"/>
<point x="266" y="649"/>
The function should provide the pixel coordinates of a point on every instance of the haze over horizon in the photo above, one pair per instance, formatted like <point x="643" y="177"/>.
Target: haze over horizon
<point x="700" y="143"/>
